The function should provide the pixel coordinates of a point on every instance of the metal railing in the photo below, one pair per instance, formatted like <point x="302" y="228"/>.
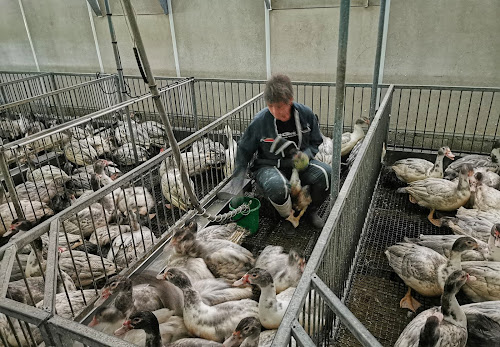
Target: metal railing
<point x="315" y="308"/>
<point x="9" y="76"/>
<point x="425" y="118"/>
<point x="51" y="165"/>
<point x="87" y="221"/>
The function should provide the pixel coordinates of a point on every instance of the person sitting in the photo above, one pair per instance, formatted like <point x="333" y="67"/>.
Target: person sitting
<point x="280" y="134"/>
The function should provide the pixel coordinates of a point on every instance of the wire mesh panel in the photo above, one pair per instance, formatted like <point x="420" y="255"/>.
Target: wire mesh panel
<point x="65" y="79"/>
<point x="425" y="118"/>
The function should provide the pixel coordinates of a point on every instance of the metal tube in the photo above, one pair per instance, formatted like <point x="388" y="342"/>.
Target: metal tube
<point x="6" y="269"/>
<point x="57" y="99"/>
<point x="193" y="102"/>
<point x="376" y="69"/>
<point x="121" y="85"/>
<point x="51" y="269"/>
<point x="4" y="169"/>
<point x="4" y="96"/>
<point x="341" y="311"/>
<point x="161" y="110"/>
<point x="339" y="97"/>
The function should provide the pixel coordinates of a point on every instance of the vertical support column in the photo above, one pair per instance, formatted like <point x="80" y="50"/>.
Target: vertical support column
<point x="55" y="97"/>
<point x="193" y="102"/>
<point x="4" y="169"/>
<point x="339" y="97"/>
<point x="376" y="69"/>
<point x="174" y="41"/>
<point x="267" y="8"/>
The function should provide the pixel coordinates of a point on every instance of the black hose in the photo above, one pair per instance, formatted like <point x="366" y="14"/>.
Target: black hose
<point x="139" y="64"/>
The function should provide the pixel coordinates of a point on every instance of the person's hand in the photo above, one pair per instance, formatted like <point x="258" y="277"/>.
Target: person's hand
<point x="300" y="161"/>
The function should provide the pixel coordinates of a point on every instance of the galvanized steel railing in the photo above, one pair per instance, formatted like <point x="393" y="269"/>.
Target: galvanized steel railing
<point x="425" y="118"/>
<point x="316" y="309"/>
<point x="57" y="232"/>
<point x="9" y="76"/>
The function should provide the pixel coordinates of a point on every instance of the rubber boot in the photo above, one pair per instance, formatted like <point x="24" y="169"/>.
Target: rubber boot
<point x="285" y="210"/>
<point x="318" y="196"/>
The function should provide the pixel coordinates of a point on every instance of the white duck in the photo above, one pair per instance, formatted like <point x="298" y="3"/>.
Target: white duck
<point x="230" y="152"/>
<point x="223" y="258"/>
<point x="485" y="198"/>
<point x="483" y="323"/>
<point x="440" y="194"/>
<point x="124" y="155"/>
<point x="490" y="163"/>
<point x="210" y="322"/>
<point x="472" y="222"/>
<point x="33" y="212"/>
<point x="122" y="134"/>
<point x="423" y="269"/>
<point x="414" y="169"/>
<point x="446" y="324"/>
<point x="325" y="150"/>
<point x="349" y="140"/>
<point x="272" y="307"/>
<point x="130" y="246"/>
<point x="286" y="269"/>
<point x="80" y="152"/>
<point x="174" y="191"/>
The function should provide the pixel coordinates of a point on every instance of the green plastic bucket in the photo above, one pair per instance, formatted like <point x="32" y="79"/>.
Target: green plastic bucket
<point x="248" y="220"/>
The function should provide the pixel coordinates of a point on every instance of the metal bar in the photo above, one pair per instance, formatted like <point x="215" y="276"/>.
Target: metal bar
<point x="376" y="69"/>
<point x="51" y="268"/>
<point x="301" y="336"/>
<point x="121" y="85"/>
<point x="56" y="97"/>
<point x="193" y="102"/>
<point x="339" y="97"/>
<point x="172" y="33"/>
<point x="62" y="90"/>
<point x="267" y="25"/>
<point x="6" y="269"/>
<point x="346" y="316"/>
<point x="29" y="78"/>
<point x="94" y="4"/>
<point x="4" y="169"/>
<point x="86" y="118"/>
<point x="4" y="96"/>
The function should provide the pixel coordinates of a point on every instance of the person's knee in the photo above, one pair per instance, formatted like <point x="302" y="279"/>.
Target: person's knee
<point x="277" y="191"/>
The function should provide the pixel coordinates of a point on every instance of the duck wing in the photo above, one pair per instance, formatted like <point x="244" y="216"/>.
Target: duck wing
<point x="487" y="284"/>
<point x="442" y="244"/>
<point x="417" y="266"/>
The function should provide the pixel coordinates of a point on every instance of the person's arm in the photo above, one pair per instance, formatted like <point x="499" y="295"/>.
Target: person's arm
<point x="246" y="148"/>
<point x="315" y="138"/>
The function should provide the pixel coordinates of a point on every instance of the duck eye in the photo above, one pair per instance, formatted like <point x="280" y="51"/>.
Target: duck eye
<point x="113" y="285"/>
<point x="136" y="320"/>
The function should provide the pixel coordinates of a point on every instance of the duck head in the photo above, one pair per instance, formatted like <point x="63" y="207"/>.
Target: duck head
<point x="495" y="232"/>
<point x="247" y="327"/>
<point x="294" y="259"/>
<point x="463" y="244"/>
<point x="446" y="151"/>
<point x="100" y="164"/>
<point x="257" y="276"/>
<point x="116" y="284"/>
<point x="144" y="320"/>
<point x="456" y="280"/>
<point x="495" y="152"/>
<point x="177" y="278"/>
<point x="184" y="237"/>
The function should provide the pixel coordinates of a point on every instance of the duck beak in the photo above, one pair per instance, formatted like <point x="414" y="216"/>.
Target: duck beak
<point x="105" y="293"/>
<point x="476" y="246"/>
<point x="233" y="340"/>
<point x="125" y="327"/>
<point x="450" y="155"/>
<point x="471" y="278"/>
<point x="93" y="322"/>
<point x="161" y="276"/>
<point x="302" y="264"/>
<point x="241" y="281"/>
<point x="497" y="239"/>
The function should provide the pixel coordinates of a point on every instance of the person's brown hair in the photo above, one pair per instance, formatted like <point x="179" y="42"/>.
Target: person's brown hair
<point x="278" y="89"/>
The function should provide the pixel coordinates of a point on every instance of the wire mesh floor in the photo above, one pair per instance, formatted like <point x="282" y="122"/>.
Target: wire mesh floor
<point x="375" y="289"/>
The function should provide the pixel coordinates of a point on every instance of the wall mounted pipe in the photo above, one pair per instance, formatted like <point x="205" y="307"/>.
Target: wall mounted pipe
<point x="376" y="69"/>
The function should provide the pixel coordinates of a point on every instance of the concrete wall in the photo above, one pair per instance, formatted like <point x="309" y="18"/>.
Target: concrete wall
<point x="445" y="42"/>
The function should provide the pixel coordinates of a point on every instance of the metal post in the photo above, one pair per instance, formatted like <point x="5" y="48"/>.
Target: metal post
<point x="4" y="96"/>
<point x="56" y="98"/>
<point x="121" y="82"/>
<point x="51" y="269"/>
<point x="156" y="97"/>
<point x="376" y="69"/>
<point x="193" y="101"/>
<point x="116" y="52"/>
<point x="338" y="122"/>
<point x="10" y="184"/>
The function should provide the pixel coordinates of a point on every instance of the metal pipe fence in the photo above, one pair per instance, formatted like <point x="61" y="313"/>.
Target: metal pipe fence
<point x="314" y="311"/>
<point x="424" y="118"/>
<point x="51" y="168"/>
<point x="25" y="88"/>
<point x="126" y="220"/>
<point x="9" y="76"/>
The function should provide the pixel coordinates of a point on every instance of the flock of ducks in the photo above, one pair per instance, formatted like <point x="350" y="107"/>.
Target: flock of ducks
<point x="442" y="265"/>
<point x="207" y="295"/>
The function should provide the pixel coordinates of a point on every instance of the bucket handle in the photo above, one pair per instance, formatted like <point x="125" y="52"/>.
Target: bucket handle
<point x="243" y="213"/>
